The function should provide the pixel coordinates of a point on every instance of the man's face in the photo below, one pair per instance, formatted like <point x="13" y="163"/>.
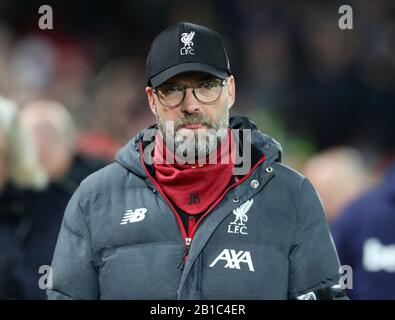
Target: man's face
<point x="193" y="121"/>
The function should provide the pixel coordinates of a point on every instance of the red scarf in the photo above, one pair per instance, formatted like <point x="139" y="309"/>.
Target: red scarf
<point x="194" y="187"/>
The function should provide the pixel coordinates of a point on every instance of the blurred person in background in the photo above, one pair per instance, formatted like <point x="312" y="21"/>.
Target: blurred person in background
<point x="340" y="175"/>
<point x="54" y="134"/>
<point x="364" y="232"/>
<point x="20" y="171"/>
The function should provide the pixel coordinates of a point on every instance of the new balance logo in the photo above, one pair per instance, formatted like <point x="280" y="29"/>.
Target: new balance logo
<point x="233" y="259"/>
<point x="134" y="215"/>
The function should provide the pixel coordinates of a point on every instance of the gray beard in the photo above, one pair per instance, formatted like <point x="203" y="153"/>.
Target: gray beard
<point x="188" y="145"/>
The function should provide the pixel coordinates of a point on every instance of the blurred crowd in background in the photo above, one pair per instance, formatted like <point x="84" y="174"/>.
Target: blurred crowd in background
<point x="70" y="97"/>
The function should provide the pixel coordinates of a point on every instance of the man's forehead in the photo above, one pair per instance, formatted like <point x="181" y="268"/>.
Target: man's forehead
<point x="189" y="77"/>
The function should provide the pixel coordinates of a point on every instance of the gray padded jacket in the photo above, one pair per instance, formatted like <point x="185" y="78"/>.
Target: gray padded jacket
<point x="265" y="238"/>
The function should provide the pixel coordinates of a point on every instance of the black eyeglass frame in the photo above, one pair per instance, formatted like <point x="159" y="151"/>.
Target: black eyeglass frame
<point x="221" y="84"/>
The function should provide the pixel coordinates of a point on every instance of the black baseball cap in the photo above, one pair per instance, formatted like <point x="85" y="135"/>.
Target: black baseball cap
<point x="186" y="47"/>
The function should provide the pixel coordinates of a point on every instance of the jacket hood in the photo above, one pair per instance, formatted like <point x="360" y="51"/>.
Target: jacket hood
<point x="129" y="156"/>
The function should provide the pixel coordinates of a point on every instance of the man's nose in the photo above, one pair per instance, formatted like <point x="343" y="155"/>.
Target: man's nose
<point x="190" y="103"/>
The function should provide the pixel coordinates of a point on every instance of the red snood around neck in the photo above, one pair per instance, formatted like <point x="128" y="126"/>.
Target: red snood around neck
<point x="194" y="187"/>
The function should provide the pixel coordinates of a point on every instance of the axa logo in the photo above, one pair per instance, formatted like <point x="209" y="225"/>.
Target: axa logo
<point x="186" y="39"/>
<point x="233" y="259"/>
<point x="238" y="225"/>
<point x="132" y="216"/>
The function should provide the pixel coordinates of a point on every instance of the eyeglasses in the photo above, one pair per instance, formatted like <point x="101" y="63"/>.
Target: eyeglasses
<point x="207" y="92"/>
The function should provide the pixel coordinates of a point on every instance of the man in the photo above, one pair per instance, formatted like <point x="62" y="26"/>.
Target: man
<point x="195" y="210"/>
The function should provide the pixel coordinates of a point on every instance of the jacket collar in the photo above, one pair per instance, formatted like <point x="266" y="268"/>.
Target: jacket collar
<point x="129" y="156"/>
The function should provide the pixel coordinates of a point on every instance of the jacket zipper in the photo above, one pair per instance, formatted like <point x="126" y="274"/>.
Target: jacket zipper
<point x="184" y="257"/>
<point x="188" y="240"/>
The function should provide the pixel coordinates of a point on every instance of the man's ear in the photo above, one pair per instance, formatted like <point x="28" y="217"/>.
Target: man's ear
<point x="151" y="99"/>
<point x="231" y="92"/>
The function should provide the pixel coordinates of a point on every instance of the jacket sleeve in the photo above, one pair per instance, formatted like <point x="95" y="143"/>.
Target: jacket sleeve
<point x="314" y="263"/>
<point x="74" y="275"/>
